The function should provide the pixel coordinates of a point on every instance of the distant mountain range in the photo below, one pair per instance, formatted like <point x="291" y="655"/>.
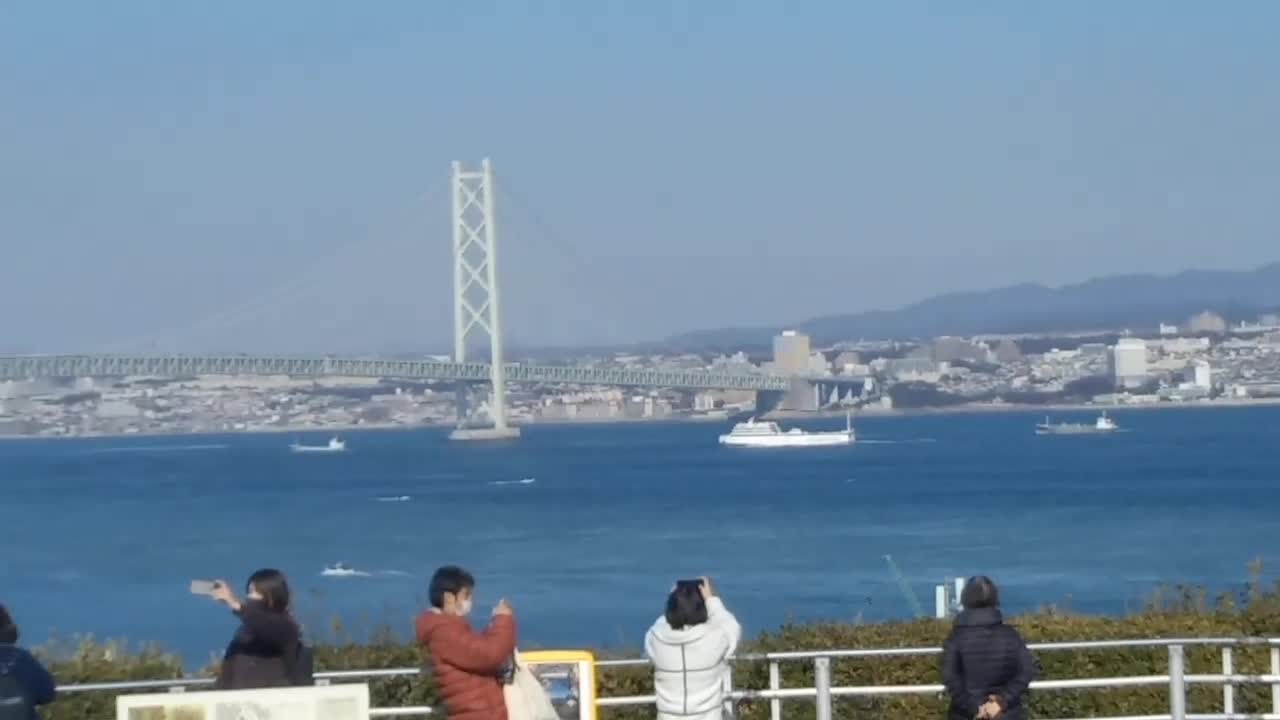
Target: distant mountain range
<point x="1115" y="302"/>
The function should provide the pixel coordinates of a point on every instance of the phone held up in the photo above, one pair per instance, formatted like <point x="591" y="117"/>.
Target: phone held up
<point x="203" y="587"/>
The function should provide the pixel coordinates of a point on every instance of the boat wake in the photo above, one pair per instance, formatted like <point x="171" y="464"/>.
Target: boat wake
<point x="342" y="570"/>
<point x="522" y="481"/>
<point x="394" y="498"/>
<point x="158" y="449"/>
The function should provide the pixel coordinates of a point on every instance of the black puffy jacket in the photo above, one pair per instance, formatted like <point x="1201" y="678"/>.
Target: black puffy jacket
<point x="264" y="651"/>
<point x="984" y="657"/>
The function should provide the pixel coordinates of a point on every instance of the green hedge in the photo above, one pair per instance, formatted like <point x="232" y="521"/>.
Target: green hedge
<point x="1172" y="613"/>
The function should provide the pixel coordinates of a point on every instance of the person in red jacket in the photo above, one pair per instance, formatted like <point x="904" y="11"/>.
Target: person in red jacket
<point x="469" y="665"/>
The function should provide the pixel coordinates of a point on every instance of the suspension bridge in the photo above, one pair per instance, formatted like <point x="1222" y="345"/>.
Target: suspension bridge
<point x="477" y="322"/>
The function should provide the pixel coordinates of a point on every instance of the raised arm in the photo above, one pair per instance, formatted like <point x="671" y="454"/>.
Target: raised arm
<point x="268" y="627"/>
<point x="718" y="616"/>
<point x="477" y="652"/>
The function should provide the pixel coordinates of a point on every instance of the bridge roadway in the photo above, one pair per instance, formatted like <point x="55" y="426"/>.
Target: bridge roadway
<point x="26" y="367"/>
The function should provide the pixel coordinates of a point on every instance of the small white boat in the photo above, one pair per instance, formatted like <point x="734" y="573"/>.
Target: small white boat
<point x="770" y="435"/>
<point x="335" y="445"/>
<point x="341" y="569"/>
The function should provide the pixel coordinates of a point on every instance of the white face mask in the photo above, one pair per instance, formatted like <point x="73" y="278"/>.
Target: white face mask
<point x="464" y="607"/>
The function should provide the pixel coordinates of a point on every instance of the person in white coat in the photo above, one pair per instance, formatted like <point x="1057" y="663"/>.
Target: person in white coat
<point x="690" y="647"/>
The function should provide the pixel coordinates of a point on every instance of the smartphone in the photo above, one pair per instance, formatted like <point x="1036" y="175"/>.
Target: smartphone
<point x="689" y="584"/>
<point x="202" y="587"/>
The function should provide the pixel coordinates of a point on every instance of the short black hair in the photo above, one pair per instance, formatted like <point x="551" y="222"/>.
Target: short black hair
<point x="8" y="628"/>
<point x="449" y="579"/>
<point x="272" y="586"/>
<point x="980" y="592"/>
<point x="686" y="607"/>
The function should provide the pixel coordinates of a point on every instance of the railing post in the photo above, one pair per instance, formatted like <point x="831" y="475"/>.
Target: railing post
<point x="1275" y="687"/>
<point x="822" y="684"/>
<point x="1177" y="683"/>
<point x="730" y="705"/>
<point x="1229" y="688"/>
<point x="775" y="683"/>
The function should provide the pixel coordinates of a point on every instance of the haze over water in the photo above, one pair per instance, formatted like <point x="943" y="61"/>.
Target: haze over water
<point x="584" y="528"/>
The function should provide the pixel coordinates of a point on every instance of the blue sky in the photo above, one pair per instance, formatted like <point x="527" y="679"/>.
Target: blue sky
<point x="273" y="176"/>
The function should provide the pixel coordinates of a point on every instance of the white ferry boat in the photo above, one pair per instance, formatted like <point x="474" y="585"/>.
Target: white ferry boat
<point x="335" y="445"/>
<point x="1103" y="424"/>
<point x="770" y="435"/>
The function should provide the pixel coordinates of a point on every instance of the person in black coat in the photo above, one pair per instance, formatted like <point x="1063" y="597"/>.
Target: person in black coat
<point x="265" y="650"/>
<point x="30" y="683"/>
<point x="986" y="666"/>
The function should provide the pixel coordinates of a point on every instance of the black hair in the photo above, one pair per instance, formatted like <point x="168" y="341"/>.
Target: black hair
<point x="686" y="607"/>
<point x="449" y="579"/>
<point x="8" y="628"/>
<point x="980" y="592"/>
<point x="272" y="586"/>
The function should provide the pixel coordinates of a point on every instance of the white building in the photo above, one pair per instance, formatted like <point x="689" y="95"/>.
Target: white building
<point x="1204" y="375"/>
<point x="1207" y="322"/>
<point x="1129" y="362"/>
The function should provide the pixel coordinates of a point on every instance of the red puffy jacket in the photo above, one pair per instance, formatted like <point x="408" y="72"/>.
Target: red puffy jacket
<point x="468" y="665"/>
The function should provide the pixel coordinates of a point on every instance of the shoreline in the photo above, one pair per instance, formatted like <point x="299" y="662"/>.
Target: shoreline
<point x="1014" y="409"/>
<point x="873" y="412"/>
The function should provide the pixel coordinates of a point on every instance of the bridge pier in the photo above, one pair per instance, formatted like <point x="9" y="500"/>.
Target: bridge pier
<point x="472" y="424"/>
<point x="767" y="401"/>
<point x="476" y="302"/>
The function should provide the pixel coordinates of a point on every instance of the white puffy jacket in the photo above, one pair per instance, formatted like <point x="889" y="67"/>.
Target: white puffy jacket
<point x="691" y="665"/>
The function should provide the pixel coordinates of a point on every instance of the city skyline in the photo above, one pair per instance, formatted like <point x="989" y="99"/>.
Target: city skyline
<point x="287" y="178"/>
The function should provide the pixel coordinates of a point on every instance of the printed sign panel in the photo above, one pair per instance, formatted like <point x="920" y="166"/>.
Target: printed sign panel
<point x="332" y="702"/>
<point x="569" y="677"/>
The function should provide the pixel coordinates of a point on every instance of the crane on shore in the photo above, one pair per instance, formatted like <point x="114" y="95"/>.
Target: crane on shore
<point x="905" y="587"/>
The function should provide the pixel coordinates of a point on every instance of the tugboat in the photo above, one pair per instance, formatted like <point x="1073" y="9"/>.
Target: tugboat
<point x="1102" y="425"/>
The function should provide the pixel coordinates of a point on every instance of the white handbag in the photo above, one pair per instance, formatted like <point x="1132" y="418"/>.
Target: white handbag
<point x="524" y="696"/>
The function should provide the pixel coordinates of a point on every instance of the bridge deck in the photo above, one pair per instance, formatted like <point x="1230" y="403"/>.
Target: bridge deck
<point x="71" y="366"/>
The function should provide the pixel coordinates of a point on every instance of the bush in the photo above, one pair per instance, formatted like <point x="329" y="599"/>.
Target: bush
<point x="1172" y="612"/>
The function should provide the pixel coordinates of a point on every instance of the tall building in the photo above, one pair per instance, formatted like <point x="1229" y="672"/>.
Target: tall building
<point x="1203" y="375"/>
<point x="1008" y="352"/>
<point x="1129" y="363"/>
<point x="791" y="353"/>
<point x="792" y="356"/>
<point x="1207" y="322"/>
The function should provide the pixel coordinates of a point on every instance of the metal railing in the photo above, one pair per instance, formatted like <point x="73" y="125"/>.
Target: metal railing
<point x="823" y="693"/>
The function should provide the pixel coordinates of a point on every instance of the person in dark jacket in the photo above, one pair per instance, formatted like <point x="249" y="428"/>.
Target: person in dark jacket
<point x="264" y="651"/>
<point x="30" y="683"/>
<point x="986" y="667"/>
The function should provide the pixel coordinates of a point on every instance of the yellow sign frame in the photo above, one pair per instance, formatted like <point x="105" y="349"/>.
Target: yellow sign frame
<point x="585" y="664"/>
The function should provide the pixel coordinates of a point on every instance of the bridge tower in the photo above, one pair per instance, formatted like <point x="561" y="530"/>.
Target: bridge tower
<point x="477" y="309"/>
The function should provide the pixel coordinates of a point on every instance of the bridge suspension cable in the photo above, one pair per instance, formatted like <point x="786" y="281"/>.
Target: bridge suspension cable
<point x="301" y="283"/>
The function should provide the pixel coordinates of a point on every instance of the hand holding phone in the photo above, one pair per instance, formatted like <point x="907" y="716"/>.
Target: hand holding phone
<point x="203" y="587"/>
<point x="702" y="586"/>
